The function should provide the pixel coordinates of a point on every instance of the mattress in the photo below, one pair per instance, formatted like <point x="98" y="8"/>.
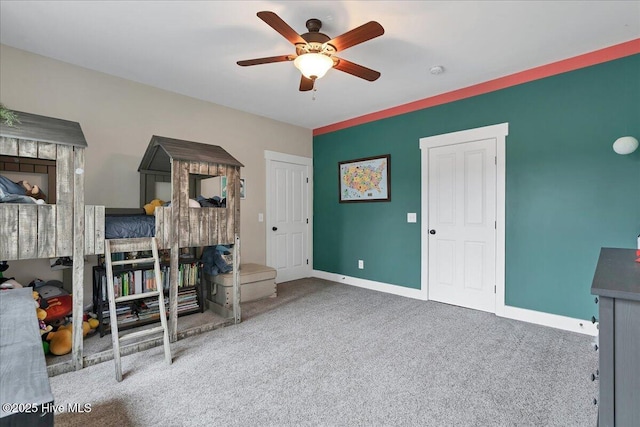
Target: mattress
<point x="126" y="227"/>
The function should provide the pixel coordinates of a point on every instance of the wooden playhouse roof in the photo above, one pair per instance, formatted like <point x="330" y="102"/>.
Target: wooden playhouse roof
<point x="162" y="150"/>
<point x="33" y="127"/>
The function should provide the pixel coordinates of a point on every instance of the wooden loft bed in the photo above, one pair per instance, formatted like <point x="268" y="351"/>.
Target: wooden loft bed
<point x="185" y="164"/>
<point x="66" y="228"/>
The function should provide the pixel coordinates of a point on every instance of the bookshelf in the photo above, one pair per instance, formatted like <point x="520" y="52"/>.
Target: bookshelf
<point x="139" y="278"/>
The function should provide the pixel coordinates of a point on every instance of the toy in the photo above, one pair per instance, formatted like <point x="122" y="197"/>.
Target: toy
<point x="41" y="313"/>
<point x="6" y="283"/>
<point x="86" y="328"/>
<point x="60" y="342"/>
<point x="150" y="207"/>
<point x="59" y="308"/>
<point x="20" y="192"/>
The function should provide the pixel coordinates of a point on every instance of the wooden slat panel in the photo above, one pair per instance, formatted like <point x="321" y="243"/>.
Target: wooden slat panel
<point x="25" y="167"/>
<point x="8" y="146"/>
<point x="64" y="217"/>
<point x="159" y="215"/>
<point x="64" y="175"/>
<point x="205" y="216"/>
<point x="212" y="232"/>
<point x="222" y="226"/>
<point x="204" y="168"/>
<point x="27" y="148"/>
<point x="41" y="169"/>
<point x="236" y="214"/>
<point x="99" y="229"/>
<point x="89" y="227"/>
<point x="78" y="255"/>
<point x="168" y="218"/>
<point x="46" y="150"/>
<point x="194" y="227"/>
<point x="194" y="167"/>
<point x="178" y="197"/>
<point x="183" y="203"/>
<point x="9" y="231"/>
<point x="233" y="192"/>
<point x="28" y="231"/>
<point x="14" y="167"/>
<point x="47" y="231"/>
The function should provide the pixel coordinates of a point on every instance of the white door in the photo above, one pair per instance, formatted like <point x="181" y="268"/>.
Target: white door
<point x="462" y="224"/>
<point x="288" y="219"/>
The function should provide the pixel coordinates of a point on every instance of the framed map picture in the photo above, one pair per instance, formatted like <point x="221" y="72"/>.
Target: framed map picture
<point x="365" y="180"/>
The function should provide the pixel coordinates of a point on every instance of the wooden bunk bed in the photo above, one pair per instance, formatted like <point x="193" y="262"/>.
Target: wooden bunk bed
<point x="185" y="164"/>
<point x="67" y="228"/>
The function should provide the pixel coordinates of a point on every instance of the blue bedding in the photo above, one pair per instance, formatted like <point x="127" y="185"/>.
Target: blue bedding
<point x="125" y="227"/>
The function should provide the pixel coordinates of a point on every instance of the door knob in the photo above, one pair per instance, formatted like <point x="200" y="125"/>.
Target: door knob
<point x="274" y="228"/>
<point x="432" y="231"/>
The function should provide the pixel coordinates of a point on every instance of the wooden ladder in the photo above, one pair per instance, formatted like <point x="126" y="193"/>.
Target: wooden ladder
<point x="131" y="245"/>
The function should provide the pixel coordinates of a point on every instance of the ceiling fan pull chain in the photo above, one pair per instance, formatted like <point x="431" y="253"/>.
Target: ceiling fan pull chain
<point x="313" y="97"/>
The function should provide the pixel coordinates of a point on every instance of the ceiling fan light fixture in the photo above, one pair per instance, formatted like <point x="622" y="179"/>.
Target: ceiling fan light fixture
<point x="313" y="65"/>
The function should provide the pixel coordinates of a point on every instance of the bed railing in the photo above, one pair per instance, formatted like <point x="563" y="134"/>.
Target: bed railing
<point x="199" y="227"/>
<point x="46" y="231"/>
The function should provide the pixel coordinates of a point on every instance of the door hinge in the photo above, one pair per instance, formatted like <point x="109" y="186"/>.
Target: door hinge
<point x="307" y="220"/>
<point x="495" y="160"/>
<point x="307" y="262"/>
<point x="307" y="180"/>
<point x="495" y="225"/>
<point x="494" y="289"/>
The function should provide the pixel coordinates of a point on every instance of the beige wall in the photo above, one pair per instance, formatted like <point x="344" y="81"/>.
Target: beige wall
<point x="119" y="117"/>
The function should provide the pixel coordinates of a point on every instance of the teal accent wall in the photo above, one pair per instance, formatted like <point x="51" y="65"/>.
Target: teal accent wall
<point x="568" y="194"/>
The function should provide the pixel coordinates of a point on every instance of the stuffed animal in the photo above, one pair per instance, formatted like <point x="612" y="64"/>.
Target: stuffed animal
<point x="41" y="313"/>
<point x="86" y="328"/>
<point x="32" y="190"/>
<point x="20" y="192"/>
<point x="59" y="307"/>
<point x="9" y="283"/>
<point x="150" y="207"/>
<point x="60" y="341"/>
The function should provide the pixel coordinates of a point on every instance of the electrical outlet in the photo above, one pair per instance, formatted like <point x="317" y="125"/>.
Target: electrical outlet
<point x="360" y="264"/>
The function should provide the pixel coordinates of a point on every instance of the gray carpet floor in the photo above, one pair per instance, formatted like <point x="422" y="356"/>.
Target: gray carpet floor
<point x="326" y="354"/>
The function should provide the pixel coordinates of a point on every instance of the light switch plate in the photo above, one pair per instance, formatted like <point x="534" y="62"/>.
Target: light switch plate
<point x="412" y="217"/>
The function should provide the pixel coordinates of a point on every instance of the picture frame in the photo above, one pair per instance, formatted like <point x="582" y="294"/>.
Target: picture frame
<point x="365" y="180"/>
<point x="223" y="188"/>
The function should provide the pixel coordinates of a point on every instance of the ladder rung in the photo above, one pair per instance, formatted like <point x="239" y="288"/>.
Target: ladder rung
<point x="143" y="333"/>
<point x="133" y="261"/>
<point x="137" y="296"/>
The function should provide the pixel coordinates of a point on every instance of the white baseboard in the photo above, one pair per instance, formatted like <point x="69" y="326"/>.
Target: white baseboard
<point x="509" y="312"/>
<point x="551" y="320"/>
<point x="369" y="284"/>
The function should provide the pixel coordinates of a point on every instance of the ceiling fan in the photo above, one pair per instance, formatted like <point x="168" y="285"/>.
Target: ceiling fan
<point x="315" y="51"/>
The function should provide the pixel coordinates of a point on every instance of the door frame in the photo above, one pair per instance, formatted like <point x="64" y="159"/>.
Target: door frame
<point x="498" y="132"/>
<point x="271" y="156"/>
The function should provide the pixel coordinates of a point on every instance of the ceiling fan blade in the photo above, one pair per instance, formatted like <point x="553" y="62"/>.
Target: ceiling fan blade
<point x="356" y="70"/>
<point x="356" y="36"/>
<point x="275" y="22"/>
<point x="267" y="60"/>
<point x="305" y="84"/>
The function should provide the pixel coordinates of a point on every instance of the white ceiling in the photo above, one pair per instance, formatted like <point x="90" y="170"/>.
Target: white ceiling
<point x="191" y="47"/>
